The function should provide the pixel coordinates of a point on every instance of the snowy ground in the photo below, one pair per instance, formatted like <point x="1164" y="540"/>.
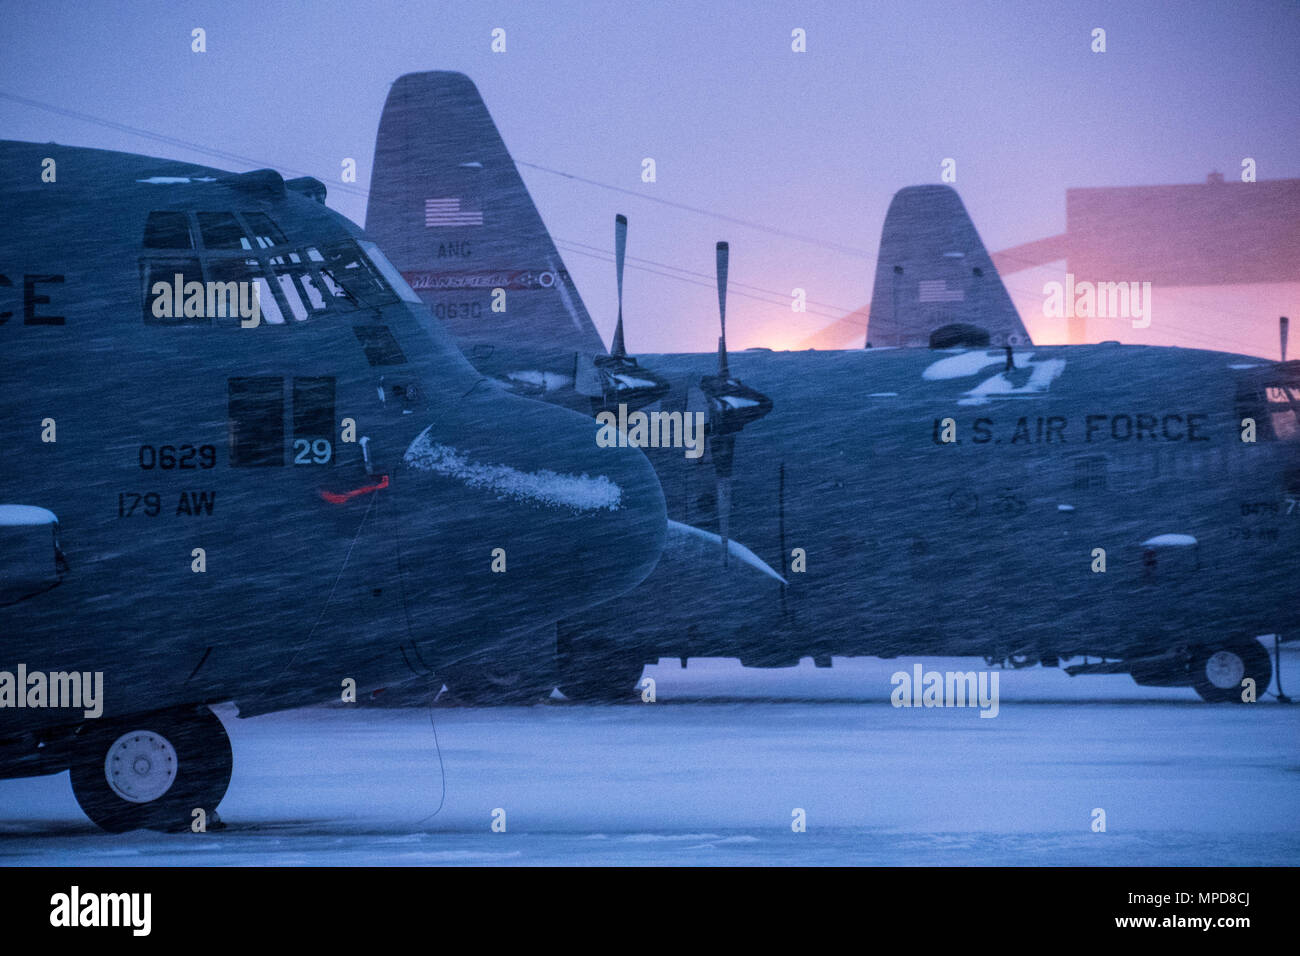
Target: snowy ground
<point x="711" y="772"/>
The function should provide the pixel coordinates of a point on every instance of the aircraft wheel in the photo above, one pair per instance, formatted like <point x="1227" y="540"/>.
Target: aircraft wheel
<point x="152" y="771"/>
<point x="1218" y="671"/>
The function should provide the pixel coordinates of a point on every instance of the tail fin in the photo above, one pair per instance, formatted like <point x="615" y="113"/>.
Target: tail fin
<point x="449" y="209"/>
<point x="934" y="275"/>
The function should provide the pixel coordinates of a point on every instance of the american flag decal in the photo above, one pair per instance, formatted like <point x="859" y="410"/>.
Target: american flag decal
<point x="447" y="212"/>
<point x="936" y="290"/>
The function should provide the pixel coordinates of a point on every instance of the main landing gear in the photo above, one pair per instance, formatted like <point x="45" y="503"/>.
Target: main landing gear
<point x="1216" y="670"/>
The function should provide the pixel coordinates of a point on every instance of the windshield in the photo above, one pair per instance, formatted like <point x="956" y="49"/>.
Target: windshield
<point x="390" y="272"/>
<point x="311" y="281"/>
<point x="1284" y="411"/>
<point x="292" y="281"/>
<point x="1271" y="396"/>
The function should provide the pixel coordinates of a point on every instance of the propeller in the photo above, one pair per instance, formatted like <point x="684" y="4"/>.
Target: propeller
<point x="731" y="405"/>
<point x="1282" y="324"/>
<point x="616" y="379"/>
<point x="620" y="252"/>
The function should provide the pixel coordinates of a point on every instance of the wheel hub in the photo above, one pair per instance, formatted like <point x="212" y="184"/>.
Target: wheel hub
<point x="140" y="766"/>
<point x="1225" y="669"/>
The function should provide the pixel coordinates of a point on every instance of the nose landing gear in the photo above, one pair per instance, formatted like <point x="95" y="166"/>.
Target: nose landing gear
<point x="152" y="771"/>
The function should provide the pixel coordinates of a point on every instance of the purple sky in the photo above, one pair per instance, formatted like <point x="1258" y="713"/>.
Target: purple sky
<point x="813" y="144"/>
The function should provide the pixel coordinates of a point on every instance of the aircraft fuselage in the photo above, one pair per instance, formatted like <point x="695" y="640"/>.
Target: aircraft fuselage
<point x="986" y="543"/>
<point x="263" y="512"/>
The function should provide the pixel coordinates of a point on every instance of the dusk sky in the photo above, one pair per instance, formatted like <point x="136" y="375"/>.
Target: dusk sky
<point x="809" y="146"/>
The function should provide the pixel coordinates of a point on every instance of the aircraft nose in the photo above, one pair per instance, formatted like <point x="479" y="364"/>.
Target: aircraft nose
<point x="518" y="518"/>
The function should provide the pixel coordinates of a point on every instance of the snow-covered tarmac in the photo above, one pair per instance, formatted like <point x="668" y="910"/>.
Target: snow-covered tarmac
<point x="712" y="772"/>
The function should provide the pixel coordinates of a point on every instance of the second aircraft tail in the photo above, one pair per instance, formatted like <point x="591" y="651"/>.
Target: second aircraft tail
<point x="935" y="283"/>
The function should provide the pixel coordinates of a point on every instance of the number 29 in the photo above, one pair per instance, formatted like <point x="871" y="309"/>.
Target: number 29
<point x="317" y="452"/>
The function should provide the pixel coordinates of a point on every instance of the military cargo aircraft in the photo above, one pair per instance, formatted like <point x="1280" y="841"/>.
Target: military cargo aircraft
<point x="954" y="490"/>
<point x="244" y="462"/>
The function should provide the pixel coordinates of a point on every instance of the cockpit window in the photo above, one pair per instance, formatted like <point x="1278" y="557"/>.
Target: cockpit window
<point x="164" y="281"/>
<point x="168" y="230"/>
<point x="313" y="281"/>
<point x="1284" y="411"/>
<point x="222" y="231"/>
<point x="264" y="229"/>
<point x="352" y="277"/>
<point x="246" y="269"/>
<point x="291" y="283"/>
<point x="389" y="272"/>
<point x="1271" y="396"/>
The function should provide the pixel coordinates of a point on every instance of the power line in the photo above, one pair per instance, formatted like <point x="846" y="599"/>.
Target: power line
<point x="848" y="316"/>
<point x="780" y="297"/>
<point x="137" y="131"/>
<point x="747" y="223"/>
<point x="782" y="301"/>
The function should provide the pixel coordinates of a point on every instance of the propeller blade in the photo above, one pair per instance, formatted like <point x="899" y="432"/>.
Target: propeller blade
<point x="723" y="452"/>
<point x="620" y="251"/>
<point x="1282" y="324"/>
<point x="723" y="258"/>
<point x="780" y="531"/>
<point x="724" y="516"/>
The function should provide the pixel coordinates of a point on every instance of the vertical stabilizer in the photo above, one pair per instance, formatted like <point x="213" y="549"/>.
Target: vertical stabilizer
<point x="933" y="275"/>
<point x="450" y="210"/>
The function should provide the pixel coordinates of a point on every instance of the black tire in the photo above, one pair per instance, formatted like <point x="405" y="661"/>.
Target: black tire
<point x="1218" y="670"/>
<point x="174" y="762"/>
